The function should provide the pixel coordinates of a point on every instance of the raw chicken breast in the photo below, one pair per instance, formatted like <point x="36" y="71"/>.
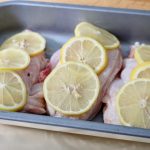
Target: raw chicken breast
<point x="106" y="77"/>
<point x="44" y="73"/>
<point x="35" y="103"/>
<point x="133" y="48"/>
<point x="110" y="115"/>
<point x="31" y="74"/>
<point x="55" y="59"/>
<point x="37" y="90"/>
<point x="128" y="64"/>
<point x="114" y="66"/>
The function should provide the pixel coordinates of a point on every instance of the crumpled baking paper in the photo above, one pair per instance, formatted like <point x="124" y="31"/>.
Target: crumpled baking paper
<point x="20" y="138"/>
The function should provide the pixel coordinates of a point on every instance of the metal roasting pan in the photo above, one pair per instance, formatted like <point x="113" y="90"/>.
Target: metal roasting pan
<point x="56" y="22"/>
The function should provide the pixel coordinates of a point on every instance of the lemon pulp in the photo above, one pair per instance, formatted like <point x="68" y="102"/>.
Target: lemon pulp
<point x="13" y="59"/>
<point x="133" y="103"/>
<point x="71" y="88"/>
<point x="33" y="43"/>
<point x="12" y="91"/>
<point x="85" y="50"/>
<point x="108" y="40"/>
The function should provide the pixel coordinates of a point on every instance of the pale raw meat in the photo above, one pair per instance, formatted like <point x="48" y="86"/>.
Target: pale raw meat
<point x="34" y="106"/>
<point x="133" y="48"/>
<point x="55" y="59"/>
<point x="37" y="90"/>
<point x="35" y="103"/>
<point x="129" y="64"/>
<point x="110" y="115"/>
<point x="31" y="74"/>
<point x="106" y="77"/>
<point x="44" y="73"/>
<point x="114" y="66"/>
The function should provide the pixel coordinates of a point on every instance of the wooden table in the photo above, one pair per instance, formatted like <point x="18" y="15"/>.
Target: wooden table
<point x="131" y="4"/>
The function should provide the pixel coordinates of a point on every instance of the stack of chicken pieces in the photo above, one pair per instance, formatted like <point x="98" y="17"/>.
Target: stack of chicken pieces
<point x="112" y="78"/>
<point x="109" y="114"/>
<point x="33" y="77"/>
<point x="39" y="68"/>
<point x="106" y="77"/>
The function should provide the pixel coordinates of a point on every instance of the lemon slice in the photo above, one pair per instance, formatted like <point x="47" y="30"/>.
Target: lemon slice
<point x="108" y="40"/>
<point x="141" y="71"/>
<point x="133" y="103"/>
<point x="71" y="88"/>
<point x="12" y="91"/>
<point x="85" y="50"/>
<point x="31" y="42"/>
<point x="13" y="59"/>
<point x="142" y="54"/>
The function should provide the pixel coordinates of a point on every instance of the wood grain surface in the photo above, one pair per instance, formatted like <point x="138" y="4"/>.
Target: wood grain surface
<point x="131" y="4"/>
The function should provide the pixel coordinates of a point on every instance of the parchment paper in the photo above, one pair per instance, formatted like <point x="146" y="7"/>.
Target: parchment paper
<point x="19" y="138"/>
